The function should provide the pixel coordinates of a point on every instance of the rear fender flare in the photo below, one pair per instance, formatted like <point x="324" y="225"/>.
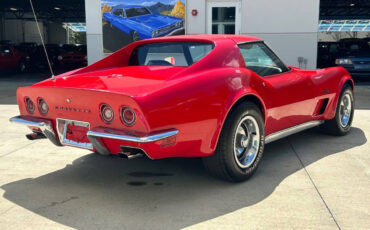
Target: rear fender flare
<point x="241" y="96"/>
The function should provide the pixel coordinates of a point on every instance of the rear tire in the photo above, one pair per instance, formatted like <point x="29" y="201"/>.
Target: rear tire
<point x="340" y="125"/>
<point x="105" y="155"/>
<point x="240" y="146"/>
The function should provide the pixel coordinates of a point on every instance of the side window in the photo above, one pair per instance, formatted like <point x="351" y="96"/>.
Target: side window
<point x="260" y="59"/>
<point x="198" y="51"/>
<point x="118" y="12"/>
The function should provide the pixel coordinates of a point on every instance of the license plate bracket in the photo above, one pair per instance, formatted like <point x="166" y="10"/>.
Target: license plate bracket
<point x="73" y="133"/>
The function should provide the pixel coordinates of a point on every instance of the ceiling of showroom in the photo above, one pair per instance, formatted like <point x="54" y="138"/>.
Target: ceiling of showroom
<point x="74" y="10"/>
<point x="344" y="9"/>
<point x="50" y="10"/>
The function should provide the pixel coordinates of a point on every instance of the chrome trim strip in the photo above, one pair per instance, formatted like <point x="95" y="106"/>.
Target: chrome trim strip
<point x="174" y="31"/>
<point x="45" y="126"/>
<point x="20" y="120"/>
<point x="145" y="139"/>
<point x="254" y="41"/>
<point x="292" y="130"/>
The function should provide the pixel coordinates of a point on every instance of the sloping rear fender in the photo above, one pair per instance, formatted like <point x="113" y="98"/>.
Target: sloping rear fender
<point x="243" y="95"/>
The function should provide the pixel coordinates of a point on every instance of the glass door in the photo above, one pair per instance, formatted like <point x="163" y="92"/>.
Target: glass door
<point x="223" y="17"/>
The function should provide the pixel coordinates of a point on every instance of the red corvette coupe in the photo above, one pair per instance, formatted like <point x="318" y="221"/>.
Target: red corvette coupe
<point x="219" y="97"/>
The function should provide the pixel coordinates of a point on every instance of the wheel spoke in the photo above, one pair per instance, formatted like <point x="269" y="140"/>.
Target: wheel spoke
<point x="345" y="110"/>
<point x="246" y="141"/>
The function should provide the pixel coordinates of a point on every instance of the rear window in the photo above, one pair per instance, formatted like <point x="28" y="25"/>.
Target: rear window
<point x="169" y="53"/>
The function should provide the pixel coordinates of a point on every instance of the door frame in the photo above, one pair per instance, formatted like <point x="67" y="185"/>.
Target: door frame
<point x="235" y="3"/>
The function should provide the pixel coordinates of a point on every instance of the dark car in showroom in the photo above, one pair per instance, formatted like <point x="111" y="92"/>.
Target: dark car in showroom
<point x="72" y="56"/>
<point x="327" y="53"/>
<point x="38" y="58"/>
<point x="355" y="57"/>
<point x="26" y="47"/>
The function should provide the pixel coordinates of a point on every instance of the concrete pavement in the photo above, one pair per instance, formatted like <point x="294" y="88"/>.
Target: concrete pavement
<point x="306" y="181"/>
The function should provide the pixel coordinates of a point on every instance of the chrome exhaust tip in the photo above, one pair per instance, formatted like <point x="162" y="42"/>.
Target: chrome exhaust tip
<point x="35" y="136"/>
<point x="130" y="152"/>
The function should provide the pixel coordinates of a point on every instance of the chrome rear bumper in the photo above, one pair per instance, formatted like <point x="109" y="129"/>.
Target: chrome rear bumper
<point x="44" y="125"/>
<point x="95" y="135"/>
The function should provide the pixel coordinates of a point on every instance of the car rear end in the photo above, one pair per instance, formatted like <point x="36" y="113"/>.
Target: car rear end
<point x="106" y="122"/>
<point x="143" y="99"/>
<point x="355" y="58"/>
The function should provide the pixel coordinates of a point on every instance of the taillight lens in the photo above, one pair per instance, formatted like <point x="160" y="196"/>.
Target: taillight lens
<point x="43" y="106"/>
<point x="30" y="106"/>
<point x="107" y="113"/>
<point x="128" y="116"/>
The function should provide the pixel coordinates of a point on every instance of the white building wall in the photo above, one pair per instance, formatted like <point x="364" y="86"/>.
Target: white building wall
<point x="288" y="26"/>
<point x="94" y="31"/>
<point x="13" y="30"/>
<point x="196" y="24"/>
<point x="22" y="31"/>
<point x="56" y="33"/>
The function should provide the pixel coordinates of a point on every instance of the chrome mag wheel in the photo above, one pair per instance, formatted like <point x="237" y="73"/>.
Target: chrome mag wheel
<point x="240" y="146"/>
<point x="246" y="141"/>
<point x="345" y="109"/>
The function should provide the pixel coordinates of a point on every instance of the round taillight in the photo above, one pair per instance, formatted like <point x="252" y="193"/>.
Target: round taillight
<point x="128" y="116"/>
<point x="30" y="106"/>
<point x="43" y="106"/>
<point x="107" y="113"/>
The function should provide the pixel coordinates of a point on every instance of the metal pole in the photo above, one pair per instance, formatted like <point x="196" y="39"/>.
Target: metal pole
<point x="42" y="41"/>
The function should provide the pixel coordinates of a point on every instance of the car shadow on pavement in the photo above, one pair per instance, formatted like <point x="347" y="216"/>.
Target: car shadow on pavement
<point x="96" y="192"/>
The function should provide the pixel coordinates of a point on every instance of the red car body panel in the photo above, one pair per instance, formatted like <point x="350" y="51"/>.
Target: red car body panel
<point x="193" y="100"/>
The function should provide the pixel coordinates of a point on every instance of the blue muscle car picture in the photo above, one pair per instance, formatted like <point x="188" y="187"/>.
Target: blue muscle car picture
<point x="140" y="23"/>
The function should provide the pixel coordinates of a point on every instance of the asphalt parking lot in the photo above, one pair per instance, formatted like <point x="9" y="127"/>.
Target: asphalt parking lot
<point x="306" y="181"/>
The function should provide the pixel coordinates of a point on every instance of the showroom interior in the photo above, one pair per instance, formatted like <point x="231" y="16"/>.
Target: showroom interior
<point x="74" y="36"/>
<point x="62" y="27"/>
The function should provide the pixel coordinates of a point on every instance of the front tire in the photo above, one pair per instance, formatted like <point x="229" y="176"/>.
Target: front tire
<point x="340" y="125"/>
<point x="240" y="146"/>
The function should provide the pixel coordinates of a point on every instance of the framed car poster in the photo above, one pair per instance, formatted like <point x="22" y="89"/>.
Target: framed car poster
<point x="126" y="21"/>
